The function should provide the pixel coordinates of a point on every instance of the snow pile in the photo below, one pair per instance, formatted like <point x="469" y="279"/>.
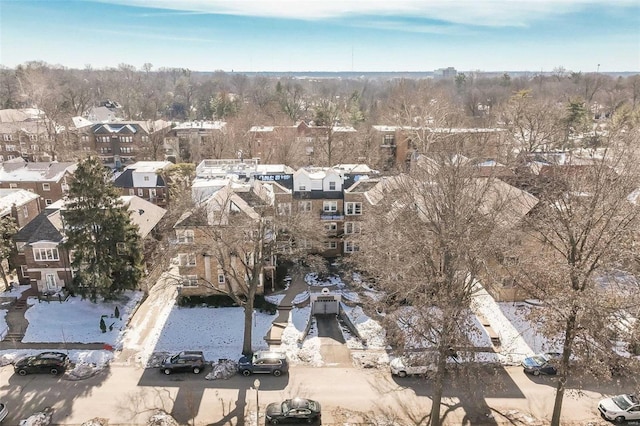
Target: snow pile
<point x="350" y="296"/>
<point x="98" y="421"/>
<point x="83" y="371"/>
<point x="307" y="351"/>
<point x="300" y="298"/>
<point x="223" y="369"/>
<point x="370" y="330"/>
<point x="42" y="418"/>
<point x="155" y="359"/>
<point x="313" y="280"/>
<point x="77" y="320"/>
<point x="275" y="298"/>
<point x="161" y="418"/>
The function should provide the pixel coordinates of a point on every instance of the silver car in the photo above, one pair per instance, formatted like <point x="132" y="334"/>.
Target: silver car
<point x="620" y="408"/>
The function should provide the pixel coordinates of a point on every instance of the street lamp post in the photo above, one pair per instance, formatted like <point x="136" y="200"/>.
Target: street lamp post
<point x="256" y="386"/>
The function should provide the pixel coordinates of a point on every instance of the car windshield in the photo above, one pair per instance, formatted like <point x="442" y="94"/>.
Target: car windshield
<point x="174" y="358"/>
<point x="622" y="402"/>
<point x="539" y="359"/>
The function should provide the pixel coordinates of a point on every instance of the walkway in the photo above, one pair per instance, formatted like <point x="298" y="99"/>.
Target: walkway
<point x="297" y="286"/>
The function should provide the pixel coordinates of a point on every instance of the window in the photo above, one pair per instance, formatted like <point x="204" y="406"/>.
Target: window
<point x="25" y="211"/>
<point x="190" y="281"/>
<point x="48" y="201"/>
<point x="284" y="209"/>
<point x="145" y="139"/>
<point x="389" y="140"/>
<point x="187" y="259"/>
<point x="33" y="138"/>
<point x="126" y="139"/>
<point x="330" y="206"/>
<point x="220" y="278"/>
<point x="121" y="248"/>
<point x="302" y="188"/>
<point x="351" y="247"/>
<point x="132" y="191"/>
<point x="10" y="157"/>
<point x="145" y="178"/>
<point x="10" y="148"/>
<point x="331" y="245"/>
<point x="103" y="139"/>
<point x="85" y="138"/>
<point x="24" y="271"/>
<point x="140" y="192"/>
<point x="153" y="193"/>
<point x="304" y="243"/>
<point x="44" y="254"/>
<point x="7" y="137"/>
<point x="332" y="186"/>
<point x="46" y="187"/>
<point x="352" y="228"/>
<point x="304" y="206"/>
<point x="331" y="227"/>
<point x="20" y="247"/>
<point x="353" y="208"/>
<point x="126" y="149"/>
<point x="104" y="150"/>
<point x="185" y="236"/>
<point x="13" y="185"/>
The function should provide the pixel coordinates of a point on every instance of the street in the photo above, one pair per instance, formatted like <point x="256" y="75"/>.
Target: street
<point x="128" y="395"/>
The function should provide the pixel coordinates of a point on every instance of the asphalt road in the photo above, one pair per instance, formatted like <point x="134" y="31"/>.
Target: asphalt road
<point x="128" y="395"/>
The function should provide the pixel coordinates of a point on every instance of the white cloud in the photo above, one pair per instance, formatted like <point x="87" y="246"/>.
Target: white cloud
<point x="472" y="12"/>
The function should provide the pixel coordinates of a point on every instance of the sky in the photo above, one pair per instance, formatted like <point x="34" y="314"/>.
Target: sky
<point x="324" y="35"/>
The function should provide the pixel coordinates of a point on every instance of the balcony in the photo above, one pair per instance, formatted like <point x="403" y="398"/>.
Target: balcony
<point x="326" y="215"/>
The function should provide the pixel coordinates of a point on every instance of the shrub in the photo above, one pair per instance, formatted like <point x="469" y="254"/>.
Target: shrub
<point x="116" y="313"/>
<point x="103" y="326"/>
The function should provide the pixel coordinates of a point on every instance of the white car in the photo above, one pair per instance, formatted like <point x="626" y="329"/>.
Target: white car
<point x="620" y="408"/>
<point x="408" y="366"/>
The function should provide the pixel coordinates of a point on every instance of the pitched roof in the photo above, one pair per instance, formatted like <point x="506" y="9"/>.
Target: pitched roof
<point x="143" y="213"/>
<point x="51" y="171"/>
<point x="11" y="115"/>
<point x="124" y="179"/>
<point x="19" y="197"/>
<point x="44" y="227"/>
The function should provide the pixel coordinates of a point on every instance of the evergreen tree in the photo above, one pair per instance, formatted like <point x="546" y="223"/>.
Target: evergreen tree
<point x="107" y="251"/>
<point x="7" y="229"/>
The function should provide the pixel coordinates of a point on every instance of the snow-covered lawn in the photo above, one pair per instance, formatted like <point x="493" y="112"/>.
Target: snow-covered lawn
<point x="215" y="331"/>
<point x="76" y="320"/>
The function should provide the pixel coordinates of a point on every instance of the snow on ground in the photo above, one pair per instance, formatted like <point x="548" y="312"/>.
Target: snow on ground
<point x="307" y="351"/>
<point x="313" y="280"/>
<point x="518" y="316"/>
<point x="15" y="292"/>
<point x="370" y="330"/>
<point x="215" y="331"/>
<point x="275" y="298"/>
<point x="97" y="358"/>
<point x="76" y="320"/>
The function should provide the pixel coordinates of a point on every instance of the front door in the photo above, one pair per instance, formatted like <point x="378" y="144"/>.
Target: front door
<point x="50" y="280"/>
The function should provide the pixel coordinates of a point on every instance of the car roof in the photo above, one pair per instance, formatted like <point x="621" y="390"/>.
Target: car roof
<point x="299" y="403"/>
<point x="270" y="354"/>
<point x="51" y="355"/>
<point x="191" y="353"/>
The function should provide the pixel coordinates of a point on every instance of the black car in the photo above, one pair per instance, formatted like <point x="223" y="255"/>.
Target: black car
<point x="296" y="410"/>
<point x="183" y="361"/>
<point x="45" y="362"/>
<point x="541" y="364"/>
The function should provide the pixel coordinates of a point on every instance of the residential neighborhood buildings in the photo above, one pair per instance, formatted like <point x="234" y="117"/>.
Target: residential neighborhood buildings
<point x="50" y="180"/>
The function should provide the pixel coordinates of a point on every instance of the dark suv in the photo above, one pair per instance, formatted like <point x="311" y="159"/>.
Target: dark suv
<point x="45" y="362"/>
<point x="184" y="361"/>
<point x="264" y="362"/>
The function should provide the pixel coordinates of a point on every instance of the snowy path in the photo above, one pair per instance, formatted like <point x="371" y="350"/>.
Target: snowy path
<point x="513" y="345"/>
<point x="146" y="325"/>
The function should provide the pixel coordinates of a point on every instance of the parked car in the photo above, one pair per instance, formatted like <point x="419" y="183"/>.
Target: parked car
<point x="3" y="411"/>
<point x="408" y="366"/>
<point x="620" y="408"/>
<point x="265" y="362"/>
<point x="541" y="364"/>
<point x="296" y="410"/>
<point x="183" y="361"/>
<point x="45" y="362"/>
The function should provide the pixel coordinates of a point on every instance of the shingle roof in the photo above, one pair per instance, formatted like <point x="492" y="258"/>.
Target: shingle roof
<point x="41" y="228"/>
<point x="19" y="197"/>
<point x="125" y="179"/>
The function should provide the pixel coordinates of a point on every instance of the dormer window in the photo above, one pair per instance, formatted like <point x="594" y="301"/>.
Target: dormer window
<point x="332" y="186"/>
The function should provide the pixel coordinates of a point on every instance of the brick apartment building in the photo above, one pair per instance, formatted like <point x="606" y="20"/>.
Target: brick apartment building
<point x="49" y="180"/>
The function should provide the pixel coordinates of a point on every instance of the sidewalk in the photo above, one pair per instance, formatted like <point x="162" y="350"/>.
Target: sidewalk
<point x="297" y="286"/>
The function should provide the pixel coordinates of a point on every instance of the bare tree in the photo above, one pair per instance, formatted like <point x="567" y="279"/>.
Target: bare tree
<point x="425" y="242"/>
<point x="583" y="231"/>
